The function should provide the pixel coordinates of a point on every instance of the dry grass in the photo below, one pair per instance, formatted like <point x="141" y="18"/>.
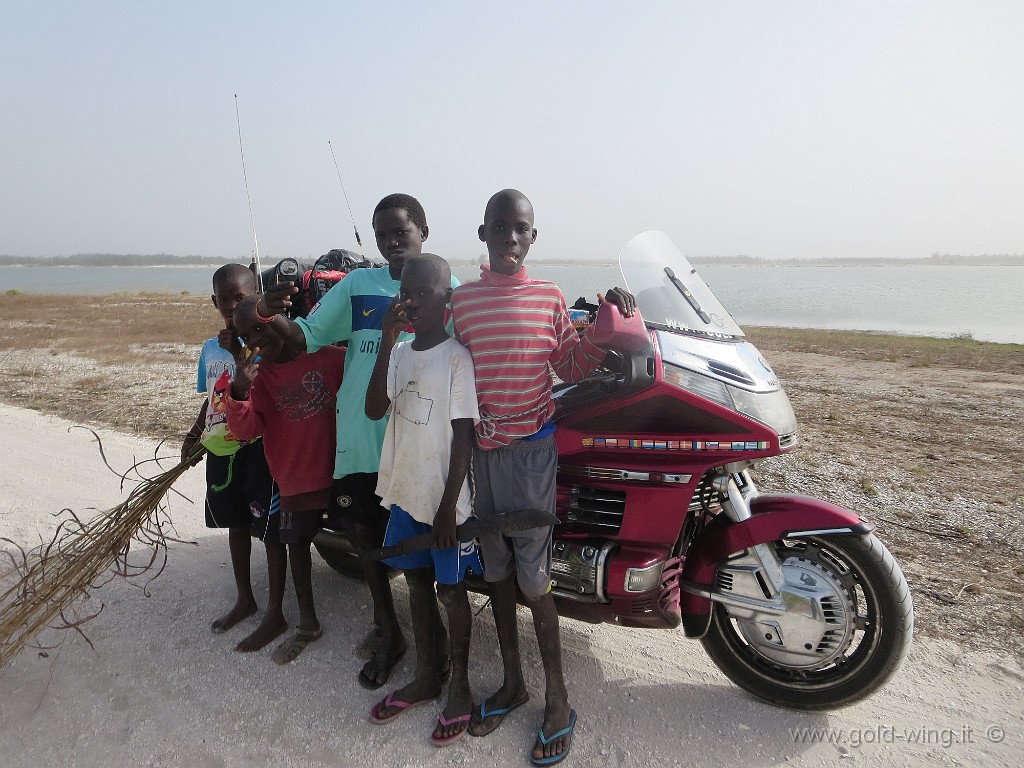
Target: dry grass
<point x="126" y="361"/>
<point x="145" y="328"/>
<point x="913" y="351"/>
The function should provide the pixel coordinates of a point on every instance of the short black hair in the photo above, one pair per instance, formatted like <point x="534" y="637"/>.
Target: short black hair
<point x="408" y="203"/>
<point x="442" y="271"/>
<point x="232" y="270"/>
<point x="505" y="196"/>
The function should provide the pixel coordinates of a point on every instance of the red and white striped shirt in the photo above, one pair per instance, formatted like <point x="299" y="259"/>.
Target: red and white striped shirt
<point x="514" y="327"/>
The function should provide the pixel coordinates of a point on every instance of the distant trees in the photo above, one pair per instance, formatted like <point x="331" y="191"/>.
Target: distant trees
<point x="109" y="260"/>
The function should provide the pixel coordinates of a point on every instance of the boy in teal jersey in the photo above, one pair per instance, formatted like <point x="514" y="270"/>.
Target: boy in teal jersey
<point x="353" y="312"/>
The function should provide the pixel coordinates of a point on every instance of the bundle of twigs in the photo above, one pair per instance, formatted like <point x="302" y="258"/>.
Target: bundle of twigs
<point x="81" y="556"/>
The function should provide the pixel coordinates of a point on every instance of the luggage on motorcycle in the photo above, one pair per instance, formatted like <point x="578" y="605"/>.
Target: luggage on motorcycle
<point x="327" y="271"/>
<point x="314" y="280"/>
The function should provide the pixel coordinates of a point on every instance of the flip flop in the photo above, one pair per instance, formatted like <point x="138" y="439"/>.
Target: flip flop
<point x="498" y="713"/>
<point x="369" y="644"/>
<point x="545" y="740"/>
<point x="294" y="645"/>
<point x="389" y="702"/>
<point x="370" y="683"/>
<point x="443" y="721"/>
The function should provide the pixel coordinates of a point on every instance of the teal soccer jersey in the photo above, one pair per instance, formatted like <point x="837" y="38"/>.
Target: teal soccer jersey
<point x="352" y="312"/>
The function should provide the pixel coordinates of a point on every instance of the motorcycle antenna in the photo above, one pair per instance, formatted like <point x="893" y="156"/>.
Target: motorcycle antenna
<point x="248" y="197"/>
<point x="347" y="203"/>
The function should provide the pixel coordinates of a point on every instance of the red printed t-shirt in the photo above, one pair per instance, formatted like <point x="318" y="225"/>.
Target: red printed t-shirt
<point x="293" y="406"/>
<point x="514" y="327"/>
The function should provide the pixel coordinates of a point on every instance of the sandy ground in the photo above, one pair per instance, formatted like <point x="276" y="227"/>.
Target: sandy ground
<point x="158" y="689"/>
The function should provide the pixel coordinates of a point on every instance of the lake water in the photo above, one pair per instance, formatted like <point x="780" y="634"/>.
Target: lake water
<point x="982" y="301"/>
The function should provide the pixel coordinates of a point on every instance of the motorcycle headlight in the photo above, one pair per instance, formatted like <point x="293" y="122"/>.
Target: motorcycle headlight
<point x="710" y="389"/>
<point x="770" y="408"/>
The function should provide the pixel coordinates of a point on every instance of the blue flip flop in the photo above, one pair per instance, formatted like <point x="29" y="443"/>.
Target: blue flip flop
<point x="499" y="713"/>
<point x="545" y="740"/>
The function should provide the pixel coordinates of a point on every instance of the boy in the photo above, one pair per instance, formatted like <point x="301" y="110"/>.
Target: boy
<point x="352" y="311"/>
<point x="241" y="495"/>
<point x="426" y="386"/>
<point x="288" y="399"/>
<point x="514" y="327"/>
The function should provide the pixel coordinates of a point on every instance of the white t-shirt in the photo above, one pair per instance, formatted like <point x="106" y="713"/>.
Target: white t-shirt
<point x="428" y="390"/>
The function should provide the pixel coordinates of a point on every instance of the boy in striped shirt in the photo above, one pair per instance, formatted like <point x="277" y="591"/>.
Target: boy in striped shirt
<point x="515" y="328"/>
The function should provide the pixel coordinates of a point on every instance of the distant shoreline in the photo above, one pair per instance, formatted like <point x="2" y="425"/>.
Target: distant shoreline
<point x="122" y="262"/>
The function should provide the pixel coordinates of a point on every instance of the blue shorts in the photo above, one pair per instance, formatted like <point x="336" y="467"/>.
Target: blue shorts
<point x="449" y="565"/>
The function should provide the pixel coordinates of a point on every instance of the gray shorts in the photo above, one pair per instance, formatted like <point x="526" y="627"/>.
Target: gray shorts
<point x="519" y="475"/>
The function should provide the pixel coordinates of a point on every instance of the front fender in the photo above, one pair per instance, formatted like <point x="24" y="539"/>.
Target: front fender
<point x="773" y="517"/>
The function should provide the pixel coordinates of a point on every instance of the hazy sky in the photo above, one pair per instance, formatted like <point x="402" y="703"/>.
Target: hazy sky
<point x="772" y="129"/>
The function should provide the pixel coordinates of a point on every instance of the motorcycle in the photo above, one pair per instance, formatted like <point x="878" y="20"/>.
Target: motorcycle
<point x="661" y="524"/>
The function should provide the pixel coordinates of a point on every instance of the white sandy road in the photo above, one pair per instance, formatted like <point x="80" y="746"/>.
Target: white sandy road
<point x="159" y="689"/>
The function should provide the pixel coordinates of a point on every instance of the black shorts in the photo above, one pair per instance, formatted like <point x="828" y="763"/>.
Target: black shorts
<point x="354" y="499"/>
<point x="240" y="493"/>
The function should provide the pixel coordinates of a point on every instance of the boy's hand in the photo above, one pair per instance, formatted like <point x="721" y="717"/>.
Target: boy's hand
<point x="188" y="447"/>
<point x="246" y="371"/>
<point x="445" y="536"/>
<point x="277" y="299"/>
<point x="621" y="298"/>
<point x="394" y="322"/>
<point x="228" y="339"/>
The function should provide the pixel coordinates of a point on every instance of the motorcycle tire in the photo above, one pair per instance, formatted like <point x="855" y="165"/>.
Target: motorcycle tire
<point x="343" y="558"/>
<point x="878" y="628"/>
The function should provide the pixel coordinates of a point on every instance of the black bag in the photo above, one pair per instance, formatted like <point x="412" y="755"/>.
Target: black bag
<point x="315" y="280"/>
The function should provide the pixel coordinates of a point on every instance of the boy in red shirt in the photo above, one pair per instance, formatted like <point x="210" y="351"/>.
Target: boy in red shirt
<point x="289" y="398"/>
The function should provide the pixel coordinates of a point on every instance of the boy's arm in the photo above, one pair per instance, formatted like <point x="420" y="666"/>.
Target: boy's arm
<point x="191" y="440"/>
<point x="244" y="420"/>
<point x="458" y="468"/>
<point x="276" y="300"/>
<point x="576" y="355"/>
<point x="247" y="368"/>
<point x="328" y="322"/>
<point x="377" y="401"/>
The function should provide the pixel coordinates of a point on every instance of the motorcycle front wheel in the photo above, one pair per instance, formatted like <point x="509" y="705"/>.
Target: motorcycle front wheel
<point x="847" y="637"/>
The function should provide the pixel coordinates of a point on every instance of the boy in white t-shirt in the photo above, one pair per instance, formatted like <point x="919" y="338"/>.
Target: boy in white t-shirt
<point x="427" y="387"/>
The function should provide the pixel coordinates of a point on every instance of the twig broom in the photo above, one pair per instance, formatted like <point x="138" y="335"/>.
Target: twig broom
<point x="51" y="577"/>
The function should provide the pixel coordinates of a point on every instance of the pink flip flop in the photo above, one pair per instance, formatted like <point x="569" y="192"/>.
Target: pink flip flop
<point x="445" y="722"/>
<point x="389" y="702"/>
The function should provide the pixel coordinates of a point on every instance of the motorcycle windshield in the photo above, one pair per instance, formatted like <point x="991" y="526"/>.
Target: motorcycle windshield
<point x="669" y="291"/>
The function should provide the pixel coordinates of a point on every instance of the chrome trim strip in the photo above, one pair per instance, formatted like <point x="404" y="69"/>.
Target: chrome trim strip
<point x="610" y="473"/>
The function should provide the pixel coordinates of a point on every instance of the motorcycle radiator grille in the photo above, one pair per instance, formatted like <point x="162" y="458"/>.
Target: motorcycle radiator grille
<point x="599" y="508"/>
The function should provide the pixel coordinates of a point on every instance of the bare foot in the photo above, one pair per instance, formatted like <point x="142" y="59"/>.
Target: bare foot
<point x="268" y="629"/>
<point x="243" y="609"/>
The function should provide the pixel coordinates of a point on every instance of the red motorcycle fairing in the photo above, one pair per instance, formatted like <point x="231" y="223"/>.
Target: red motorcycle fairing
<point x="773" y="517"/>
